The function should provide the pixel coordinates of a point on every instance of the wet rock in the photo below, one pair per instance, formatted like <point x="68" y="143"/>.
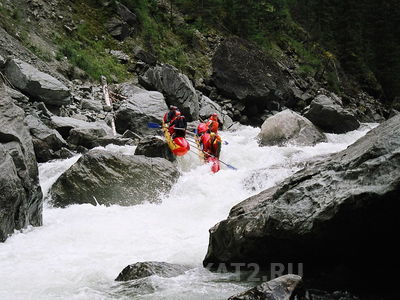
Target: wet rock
<point x="140" y="108"/>
<point x="154" y="146"/>
<point x="337" y="216"/>
<point x="175" y="86"/>
<point x="149" y="268"/>
<point x="109" y="178"/>
<point x="289" y="127"/>
<point x="2" y="62"/>
<point x="85" y="136"/>
<point x="259" y="80"/>
<point x="46" y="141"/>
<point x="21" y="195"/>
<point x="284" y="287"/>
<point x="36" y="84"/>
<point x="16" y="95"/>
<point x="330" y="116"/>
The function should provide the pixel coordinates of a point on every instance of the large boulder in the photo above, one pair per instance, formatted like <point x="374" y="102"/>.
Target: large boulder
<point x="154" y="146"/>
<point x="149" y="268"/>
<point x="208" y="107"/>
<point x="125" y="14"/>
<point x="20" y="192"/>
<point x="109" y="178"/>
<point x="339" y="214"/>
<point x="118" y="28"/>
<point x="36" y="84"/>
<point x="80" y="133"/>
<point x="140" y="108"/>
<point x="175" y="86"/>
<point x="328" y="114"/>
<point x="46" y="141"/>
<point x="289" y="127"/>
<point x="242" y="71"/>
<point x="282" y="288"/>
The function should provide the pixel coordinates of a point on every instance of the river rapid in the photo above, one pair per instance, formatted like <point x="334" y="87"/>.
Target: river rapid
<point x="80" y="250"/>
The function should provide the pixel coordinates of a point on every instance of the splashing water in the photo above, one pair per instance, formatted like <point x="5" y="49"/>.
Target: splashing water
<point x="80" y="250"/>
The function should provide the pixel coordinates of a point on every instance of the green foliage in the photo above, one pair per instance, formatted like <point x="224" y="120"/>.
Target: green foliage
<point x="90" y="55"/>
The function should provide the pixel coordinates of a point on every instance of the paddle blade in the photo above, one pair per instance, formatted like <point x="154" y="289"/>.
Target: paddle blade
<point x="153" y="125"/>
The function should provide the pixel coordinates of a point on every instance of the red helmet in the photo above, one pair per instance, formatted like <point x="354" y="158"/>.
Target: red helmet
<point x="202" y="128"/>
<point x="214" y="117"/>
<point x="177" y="113"/>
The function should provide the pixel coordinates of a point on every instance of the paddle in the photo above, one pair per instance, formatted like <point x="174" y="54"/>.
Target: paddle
<point x="228" y="165"/>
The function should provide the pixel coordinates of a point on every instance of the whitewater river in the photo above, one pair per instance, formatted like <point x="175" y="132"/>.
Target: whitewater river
<point x="80" y="250"/>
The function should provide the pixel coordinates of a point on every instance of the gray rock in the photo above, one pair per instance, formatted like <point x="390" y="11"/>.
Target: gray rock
<point x="175" y="86"/>
<point x="145" y="56"/>
<point x="154" y="146"/>
<point x="36" y="84"/>
<point x="46" y="141"/>
<point x="121" y="56"/>
<point x="125" y="14"/>
<point x="341" y="211"/>
<point x="2" y="62"/>
<point x="259" y="79"/>
<point x="94" y="105"/>
<point x="282" y="288"/>
<point x="21" y="196"/>
<point x="289" y="127"/>
<point x="16" y="95"/>
<point x="85" y="136"/>
<point x="118" y="28"/>
<point x="330" y="116"/>
<point x="149" y="268"/>
<point x="64" y="125"/>
<point x="140" y="107"/>
<point x="112" y="178"/>
<point x="208" y="107"/>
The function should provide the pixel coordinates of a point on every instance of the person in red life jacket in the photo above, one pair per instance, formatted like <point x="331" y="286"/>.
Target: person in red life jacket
<point x="213" y="123"/>
<point x="178" y="125"/>
<point x="210" y="142"/>
<point x="170" y="115"/>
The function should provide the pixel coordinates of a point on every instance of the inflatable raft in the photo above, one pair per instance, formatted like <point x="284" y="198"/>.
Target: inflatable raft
<point x="179" y="146"/>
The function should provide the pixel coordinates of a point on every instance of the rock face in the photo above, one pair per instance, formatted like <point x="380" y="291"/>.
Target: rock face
<point x="207" y="107"/>
<point x="36" y="84"/>
<point x="140" y="108"/>
<point x="330" y="116"/>
<point x="146" y="269"/>
<point x="289" y="127"/>
<point x="154" y="146"/>
<point x="20" y="192"/>
<point x="46" y="141"/>
<point x="113" y="178"/>
<point x="175" y="86"/>
<point x="284" y="287"/>
<point x="258" y="80"/>
<point x="342" y="211"/>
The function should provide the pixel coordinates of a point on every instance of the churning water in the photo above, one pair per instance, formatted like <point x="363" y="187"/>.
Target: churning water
<point x="80" y="250"/>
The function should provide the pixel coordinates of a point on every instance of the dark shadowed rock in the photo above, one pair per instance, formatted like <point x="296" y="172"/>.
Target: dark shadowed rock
<point x="112" y="178"/>
<point x="125" y="14"/>
<point x="282" y="288"/>
<point x="289" y="127"/>
<point x="36" y="84"/>
<point x="154" y="146"/>
<point x="118" y="28"/>
<point x="20" y="192"/>
<point x="145" y="56"/>
<point x="243" y="71"/>
<point x="140" y="108"/>
<point x="330" y="116"/>
<point x="342" y="211"/>
<point x="149" y="268"/>
<point x="46" y="141"/>
<point x="175" y="86"/>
